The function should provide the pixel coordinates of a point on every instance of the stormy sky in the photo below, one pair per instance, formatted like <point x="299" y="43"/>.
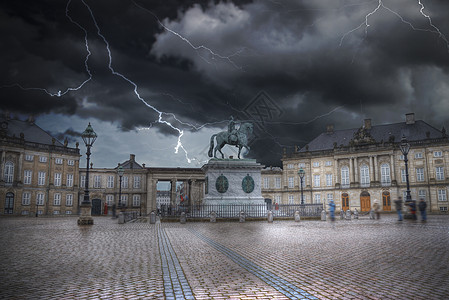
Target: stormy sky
<point x="158" y="78"/>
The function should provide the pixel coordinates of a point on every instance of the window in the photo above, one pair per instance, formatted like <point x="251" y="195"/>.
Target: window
<point x="70" y="162"/>
<point x="69" y="180"/>
<point x="418" y="155"/>
<point x="58" y="161"/>
<point x="27" y="176"/>
<point x="41" y="178"/>
<point x="69" y="200"/>
<point x="385" y="178"/>
<point x="439" y="173"/>
<point x="422" y="194"/>
<point x="328" y="163"/>
<point x="124" y="200"/>
<point x="345" y="176"/>
<point x="443" y="208"/>
<point x="56" y="212"/>
<point x="26" y="198"/>
<point x="25" y="212"/>
<point x="266" y="183"/>
<point x="110" y="182"/>
<point x="136" y="200"/>
<point x="403" y="176"/>
<point x="29" y="157"/>
<point x="364" y="175"/>
<point x="316" y="180"/>
<point x="442" y="195"/>
<point x="277" y="199"/>
<point x="125" y="182"/>
<point x="402" y="157"/>
<point x="291" y="182"/>
<point x="136" y="182"/>
<point x="57" y="199"/>
<point x="110" y="199"/>
<point x="317" y="198"/>
<point x="277" y="182"/>
<point x="68" y="212"/>
<point x="42" y="159"/>
<point x="329" y="179"/>
<point x="97" y="181"/>
<point x="40" y="199"/>
<point x="290" y="166"/>
<point x="330" y="197"/>
<point x="419" y="174"/>
<point x="57" y="179"/>
<point x="301" y="165"/>
<point x="438" y="154"/>
<point x="83" y="181"/>
<point x="316" y="164"/>
<point x="291" y="199"/>
<point x="9" y="172"/>
<point x="404" y="195"/>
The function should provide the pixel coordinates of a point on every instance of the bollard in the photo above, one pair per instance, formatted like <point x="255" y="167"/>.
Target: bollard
<point x="152" y="218"/>
<point x="356" y="214"/>
<point x="342" y="214"/>
<point x="348" y="215"/>
<point x="213" y="217"/>
<point x="297" y="216"/>
<point x="270" y="216"/>
<point x="182" y="219"/>
<point x="323" y="215"/>
<point x="242" y="216"/>
<point x="121" y="218"/>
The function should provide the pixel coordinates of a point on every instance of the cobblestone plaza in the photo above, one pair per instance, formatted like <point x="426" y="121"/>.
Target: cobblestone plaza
<point x="54" y="258"/>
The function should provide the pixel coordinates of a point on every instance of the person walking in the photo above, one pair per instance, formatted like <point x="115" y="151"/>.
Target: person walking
<point x="399" y="208"/>
<point x="376" y="207"/>
<point x="422" y="205"/>
<point x="332" y="210"/>
<point x="412" y="206"/>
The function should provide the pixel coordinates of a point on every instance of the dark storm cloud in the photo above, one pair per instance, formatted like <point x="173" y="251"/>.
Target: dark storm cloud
<point x="299" y="52"/>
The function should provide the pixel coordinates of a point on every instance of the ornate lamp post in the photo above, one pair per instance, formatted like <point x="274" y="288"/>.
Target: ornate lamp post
<point x="120" y="172"/>
<point x="301" y="174"/>
<point x="89" y="136"/>
<point x="405" y="148"/>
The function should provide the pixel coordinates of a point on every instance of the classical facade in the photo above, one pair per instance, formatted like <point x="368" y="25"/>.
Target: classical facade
<point x="39" y="175"/>
<point x="356" y="167"/>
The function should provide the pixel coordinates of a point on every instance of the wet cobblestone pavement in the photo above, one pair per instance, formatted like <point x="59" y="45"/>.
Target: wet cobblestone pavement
<point x="54" y="258"/>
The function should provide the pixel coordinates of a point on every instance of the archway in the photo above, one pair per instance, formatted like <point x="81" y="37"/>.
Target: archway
<point x="365" y="201"/>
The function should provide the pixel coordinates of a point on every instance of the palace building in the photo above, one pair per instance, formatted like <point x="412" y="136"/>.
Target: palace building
<point x="356" y="167"/>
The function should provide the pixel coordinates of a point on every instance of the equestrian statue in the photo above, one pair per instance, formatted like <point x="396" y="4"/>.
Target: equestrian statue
<point x="234" y="137"/>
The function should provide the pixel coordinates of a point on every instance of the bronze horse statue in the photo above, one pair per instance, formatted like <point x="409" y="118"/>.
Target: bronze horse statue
<point x="238" y="138"/>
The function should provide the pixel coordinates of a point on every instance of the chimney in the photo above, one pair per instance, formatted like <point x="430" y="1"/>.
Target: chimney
<point x="368" y="124"/>
<point x="132" y="157"/>
<point x="330" y="128"/>
<point x="410" y="118"/>
<point x="31" y="119"/>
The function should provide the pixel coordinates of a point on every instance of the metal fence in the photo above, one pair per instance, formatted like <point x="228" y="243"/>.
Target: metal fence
<point x="233" y="210"/>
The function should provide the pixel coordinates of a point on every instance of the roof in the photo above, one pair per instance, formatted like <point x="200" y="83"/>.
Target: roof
<point x="417" y="131"/>
<point x="31" y="132"/>
<point x="130" y="163"/>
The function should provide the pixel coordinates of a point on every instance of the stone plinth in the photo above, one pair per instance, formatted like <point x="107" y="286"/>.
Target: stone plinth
<point x="85" y="217"/>
<point x="233" y="181"/>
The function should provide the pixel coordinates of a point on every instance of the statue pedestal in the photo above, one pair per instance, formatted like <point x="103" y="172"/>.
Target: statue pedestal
<point x="233" y="181"/>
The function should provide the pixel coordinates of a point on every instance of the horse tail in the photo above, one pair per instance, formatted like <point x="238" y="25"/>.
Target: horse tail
<point x="211" y="145"/>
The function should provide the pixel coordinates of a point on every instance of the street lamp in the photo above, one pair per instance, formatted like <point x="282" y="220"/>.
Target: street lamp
<point x="405" y="148"/>
<point x="301" y="174"/>
<point x="120" y="172"/>
<point x="89" y="136"/>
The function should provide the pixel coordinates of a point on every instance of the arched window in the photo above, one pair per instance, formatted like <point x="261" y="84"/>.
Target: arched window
<point x="385" y="178"/>
<point x="364" y="175"/>
<point x="345" y="176"/>
<point x="9" y="172"/>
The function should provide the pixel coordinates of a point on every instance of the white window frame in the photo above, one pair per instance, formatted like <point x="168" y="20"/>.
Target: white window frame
<point x="136" y="182"/>
<point x="43" y="159"/>
<point x="41" y="178"/>
<point x="291" y="182"/>
<point x="70" y="162"/>
<point x="442" y="195"/>
<point x="328" y="179"/>
<point x="385" y="176"/>
<point x="364" y="175"/>
<point x="266" y="183"/>
<point x="439" y="173"/>
<point x="330" y="197"/>
<point x="29" y="157"/>
<point x="68" y="212"/>
<point x="345" y="176"/>
<point x="317" y="198"/>
<point x="69" y="200"/>
<point x="289" y="166"/>
<point x="277" y="199"/>
<point x="83" y="181"/>
<point x="418" y="155"/>
<point x="438" y="154"/>
<point x="277" y="182"/>
<point x="110" y="183"/>
<point x="59" y="161"/>
<point x="40" y="199"/>
<point x="69" y="182"/>
<point x="403" y="175"/>
<point x="301" y="165"/>
<point x="27" y="176"/>
<point x="57" y="199"/>
<point x="26" y="198"/>
<point x="124" y="200"/>
<point x="316" y="164"/>
<point x="291" y="199"/>
<point x="136" y="200"/>
<point x="110" y="199"/>
<point x="9" y="172"/>
<point x="316" y="180"/>
<point x="124" y="182"/>
<point x="57" y="181"/>
<point x="97" y="181"/>
<point x="422" y="194"/>
<point x="419" y="174"/>
<point x="328" y="163"/>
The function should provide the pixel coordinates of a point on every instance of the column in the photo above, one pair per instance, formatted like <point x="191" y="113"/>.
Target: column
<point x="173" y="191"/>
<point x="376" y="175"/>
<point x="393" y="172"/>
<point x="336" y="172"/>
<point x="371" y="168"/>
<point x="356" y="170"/>
<point x="2" y="166"/>
<point x="351" y="171"/>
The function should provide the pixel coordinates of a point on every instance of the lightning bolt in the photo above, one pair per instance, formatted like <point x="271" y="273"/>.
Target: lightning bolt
<point x="380" y="5"/>
<point x="197" y="48"/>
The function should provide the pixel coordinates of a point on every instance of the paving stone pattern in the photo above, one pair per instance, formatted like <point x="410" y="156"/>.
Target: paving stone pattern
<point x="54" y="258"/>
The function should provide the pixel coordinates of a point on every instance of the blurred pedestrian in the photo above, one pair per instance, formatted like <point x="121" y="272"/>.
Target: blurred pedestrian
<point x="399" y="208"/>
<point x="376" y="207"/>
<point x="332" y="209"/>
<point x="412" y="206"/>
<point x="422" y="205"/>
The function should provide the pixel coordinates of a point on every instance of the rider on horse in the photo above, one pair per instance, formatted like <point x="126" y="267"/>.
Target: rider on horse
<point x="232" y="137"/>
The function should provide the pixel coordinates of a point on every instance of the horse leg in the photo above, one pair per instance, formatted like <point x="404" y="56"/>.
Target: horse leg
<point x="240" y="149"/>
<point x="219" y="149"/>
